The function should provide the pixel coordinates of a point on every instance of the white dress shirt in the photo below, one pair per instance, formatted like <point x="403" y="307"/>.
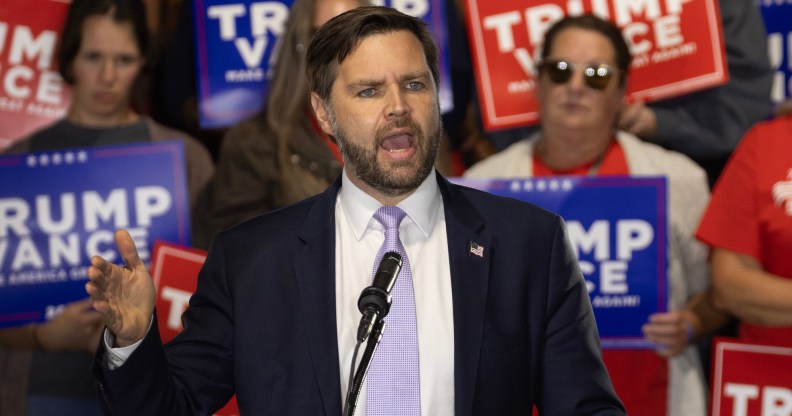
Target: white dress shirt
<point x="358" y="238"/>
<point x="423" y="234"/>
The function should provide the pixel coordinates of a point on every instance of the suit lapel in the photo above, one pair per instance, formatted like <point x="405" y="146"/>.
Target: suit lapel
<point x="469" y="246"/>
<point x="314" y="268"/>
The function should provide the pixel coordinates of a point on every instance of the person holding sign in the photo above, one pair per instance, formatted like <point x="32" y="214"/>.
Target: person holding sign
<point x="582" y="81"/>
<point x="101" y="56"/>
<point x="748" y="224"/>
<point x="707" y="125"/>
<point x="103" y="49"/>
<point x="281" y="155"/>
<point x="489" y="300"/>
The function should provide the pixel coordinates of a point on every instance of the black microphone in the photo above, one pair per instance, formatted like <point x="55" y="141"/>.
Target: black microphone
<point x="375" y="300"/>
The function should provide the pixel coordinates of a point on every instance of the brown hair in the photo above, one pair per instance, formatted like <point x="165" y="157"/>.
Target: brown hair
<point x="121" y="11"/>
<point x="341" y="35"/>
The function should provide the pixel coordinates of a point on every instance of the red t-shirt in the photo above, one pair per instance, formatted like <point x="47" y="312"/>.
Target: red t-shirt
<point x="751" y="210"/>
<point x="613" y="163"/>
<point x="640" y="377"/>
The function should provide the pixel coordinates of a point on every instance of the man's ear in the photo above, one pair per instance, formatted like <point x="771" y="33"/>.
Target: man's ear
<point x="322" y="114"/>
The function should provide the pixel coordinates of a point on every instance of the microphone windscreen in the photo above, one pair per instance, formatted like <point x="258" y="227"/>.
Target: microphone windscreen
<point x="388" y="270"/>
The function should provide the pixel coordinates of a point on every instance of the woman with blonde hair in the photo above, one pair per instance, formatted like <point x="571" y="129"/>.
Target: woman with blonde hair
<point x="279" y="156"/>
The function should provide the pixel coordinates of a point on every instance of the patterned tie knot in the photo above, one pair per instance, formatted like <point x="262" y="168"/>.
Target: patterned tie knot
<point x="390" y="217"/>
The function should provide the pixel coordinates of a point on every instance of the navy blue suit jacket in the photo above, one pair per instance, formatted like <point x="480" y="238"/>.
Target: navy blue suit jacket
<point x="262" y="321"/>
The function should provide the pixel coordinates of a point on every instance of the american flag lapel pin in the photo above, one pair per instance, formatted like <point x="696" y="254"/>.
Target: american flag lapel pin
<point x="476" y="250"/>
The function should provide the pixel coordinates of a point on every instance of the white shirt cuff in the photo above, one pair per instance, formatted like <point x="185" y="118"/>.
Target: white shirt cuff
<point x="116" y="357"/>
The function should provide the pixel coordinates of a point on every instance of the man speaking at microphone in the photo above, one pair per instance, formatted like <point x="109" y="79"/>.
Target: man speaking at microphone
<point x="489" y="315"/>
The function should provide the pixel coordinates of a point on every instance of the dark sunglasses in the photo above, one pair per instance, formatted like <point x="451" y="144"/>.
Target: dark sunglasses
<point x="596" y="76"/>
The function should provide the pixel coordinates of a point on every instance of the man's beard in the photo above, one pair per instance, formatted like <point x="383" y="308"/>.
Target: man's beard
<point x="362" y="161"/>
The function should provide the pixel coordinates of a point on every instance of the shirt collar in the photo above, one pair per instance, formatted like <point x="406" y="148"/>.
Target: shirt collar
<point x="422" y="207"/>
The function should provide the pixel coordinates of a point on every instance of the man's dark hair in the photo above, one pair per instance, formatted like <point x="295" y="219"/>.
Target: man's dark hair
<point x="595" y="24"/>
<point x="339" y="37"/>
<point x="121" y="11"/>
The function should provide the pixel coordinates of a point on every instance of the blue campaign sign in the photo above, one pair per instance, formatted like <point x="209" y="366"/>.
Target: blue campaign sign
<point x="618" y="228"/>
<point x="235" y="44"/>
<point x="60" y="208"/>
<point x="777" y="16"/>
<point x="235" y="49"/>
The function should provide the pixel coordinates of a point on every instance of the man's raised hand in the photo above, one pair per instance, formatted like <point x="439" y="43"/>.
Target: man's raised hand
<point x="125" y="296"/>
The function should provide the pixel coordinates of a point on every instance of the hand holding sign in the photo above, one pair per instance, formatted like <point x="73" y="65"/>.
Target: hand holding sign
<point x="125" y="296"/>
<point x="76" y="328"/>
<point x="638" y="119"/>
<point x="670" y="331"/>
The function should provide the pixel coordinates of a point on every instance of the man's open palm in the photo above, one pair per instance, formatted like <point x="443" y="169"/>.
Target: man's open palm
<point x="125" y="296"/>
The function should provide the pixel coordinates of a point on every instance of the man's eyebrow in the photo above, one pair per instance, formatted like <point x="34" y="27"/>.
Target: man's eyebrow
<point x="414" y="75"/>
<point x="364" y="83"/>
<point x="374" y="83"/>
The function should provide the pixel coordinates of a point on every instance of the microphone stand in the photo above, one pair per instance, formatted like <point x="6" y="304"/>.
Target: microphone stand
<point x="357" y="381"/>
<point x="374" y="303"/>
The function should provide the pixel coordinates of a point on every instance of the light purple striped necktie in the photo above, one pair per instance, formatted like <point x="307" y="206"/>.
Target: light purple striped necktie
<point x="393" y="379"/>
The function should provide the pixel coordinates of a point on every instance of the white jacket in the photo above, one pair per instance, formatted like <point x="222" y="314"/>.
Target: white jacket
<point x="688" y="271"/>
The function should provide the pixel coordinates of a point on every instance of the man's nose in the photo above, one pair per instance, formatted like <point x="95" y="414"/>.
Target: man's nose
<point x="397" y="103"/>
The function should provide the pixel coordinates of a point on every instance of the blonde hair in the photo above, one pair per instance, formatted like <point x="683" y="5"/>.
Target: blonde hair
<point x="288" y="103"/>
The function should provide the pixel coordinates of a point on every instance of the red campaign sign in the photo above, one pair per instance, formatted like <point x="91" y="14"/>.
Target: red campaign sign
<point x="175" y="272"/>
<point x="750" y="379"/>
<point x="32" y="93"/>
<point x="677" y="47"/>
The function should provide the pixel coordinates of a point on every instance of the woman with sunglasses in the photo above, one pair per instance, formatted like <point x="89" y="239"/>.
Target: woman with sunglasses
<point x="581" y="85"/>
